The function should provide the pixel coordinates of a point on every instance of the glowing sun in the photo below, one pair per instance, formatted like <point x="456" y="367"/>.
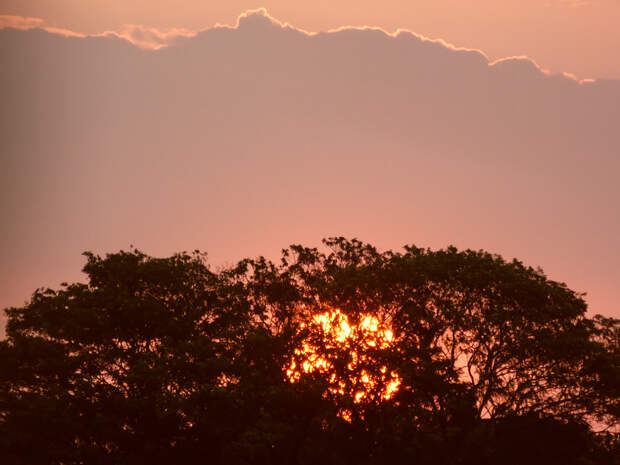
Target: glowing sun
<point x="343" y="353"/>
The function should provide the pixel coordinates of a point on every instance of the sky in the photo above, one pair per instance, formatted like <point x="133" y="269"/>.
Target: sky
<point x="241" y="139"/>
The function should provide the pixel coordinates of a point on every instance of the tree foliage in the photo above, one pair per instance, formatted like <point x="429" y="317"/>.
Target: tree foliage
<point x="166" y="361"/>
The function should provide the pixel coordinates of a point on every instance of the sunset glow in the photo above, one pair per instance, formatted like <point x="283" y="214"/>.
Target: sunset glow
<point x="337" y="335"/>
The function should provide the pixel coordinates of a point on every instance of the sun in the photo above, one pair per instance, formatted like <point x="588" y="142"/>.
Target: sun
<point x="342" y="352"/>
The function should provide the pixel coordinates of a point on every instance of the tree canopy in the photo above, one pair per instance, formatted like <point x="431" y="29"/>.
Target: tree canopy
<point x="346" y="356"/>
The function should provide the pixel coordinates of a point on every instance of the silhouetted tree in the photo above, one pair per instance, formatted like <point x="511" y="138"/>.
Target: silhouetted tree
<point x="165" y="361"/>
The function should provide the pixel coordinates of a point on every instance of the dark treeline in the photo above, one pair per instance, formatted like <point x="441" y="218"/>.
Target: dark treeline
<point x="164" y="361"/>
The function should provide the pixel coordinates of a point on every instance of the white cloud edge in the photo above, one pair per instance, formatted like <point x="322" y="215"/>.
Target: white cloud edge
<point x="150" y="38"/>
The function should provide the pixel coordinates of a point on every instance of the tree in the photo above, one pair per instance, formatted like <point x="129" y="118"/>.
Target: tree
<point x="351" y="356"/>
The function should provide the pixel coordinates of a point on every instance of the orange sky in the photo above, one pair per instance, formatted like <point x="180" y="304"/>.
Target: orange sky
<point x="576" y="36"/>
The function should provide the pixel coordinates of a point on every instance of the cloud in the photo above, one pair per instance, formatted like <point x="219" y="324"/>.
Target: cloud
<point x="260" y="17"/>
<point x="19" y="22"/>
<point x="151" y="38"/>
<point x="241" y="139"/>
<point x="139" y="35"/>
<point x="25" y="23"/>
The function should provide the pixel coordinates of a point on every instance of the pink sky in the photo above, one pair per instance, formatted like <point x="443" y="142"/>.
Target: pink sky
<point x="581" y="37"/>
<point x="242" y="140"/>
